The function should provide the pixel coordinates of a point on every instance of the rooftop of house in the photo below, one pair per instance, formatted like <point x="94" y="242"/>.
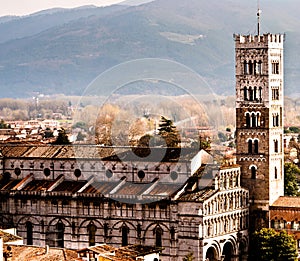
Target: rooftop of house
<point x="8" y="237"/>
<point x="287" y="202"/>
<point x="126" y="253"/>
<point x="34" y="253"/>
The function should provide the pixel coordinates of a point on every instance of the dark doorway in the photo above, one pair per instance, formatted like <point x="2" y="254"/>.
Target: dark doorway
<point x="227" y="252"/>
<point x="211" y="254"/>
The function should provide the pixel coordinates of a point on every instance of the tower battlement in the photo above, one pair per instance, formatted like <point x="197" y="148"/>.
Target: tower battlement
<point x="259" y="40"/>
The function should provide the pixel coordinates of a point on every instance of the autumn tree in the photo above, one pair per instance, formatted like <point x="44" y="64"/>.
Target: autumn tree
<point x="168" y="132"/>
<point x="290" y="180"/>
<point x="269" y="245"/>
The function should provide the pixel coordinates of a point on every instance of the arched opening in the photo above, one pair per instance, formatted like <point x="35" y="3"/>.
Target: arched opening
<point x="211" y="254"/>
<point x="125" y="231"/>
<point x="245" y="94"/>
<point x="275" y="146"/>
<point x="260" y="94"/>
<point x="256" y="146"/>
<point x="255" y="94"/>
<point x="275" y="173"/>
<point x="250" y="94"/>
<point x="92" y="234"/>
<point x="253" y="172"/>
<point x="242" y="252"/>
<point x="250" y="67"/>
<point x="60" y="229"/>
<point x="246" y="68"/>
<point x="248" y="120"/>
<point x="253" y="117"/>
<point x="250" y="146"/>
<point x="158" y="237"/>
<point x="29" y="233"/>
<point x="227" y="252"/>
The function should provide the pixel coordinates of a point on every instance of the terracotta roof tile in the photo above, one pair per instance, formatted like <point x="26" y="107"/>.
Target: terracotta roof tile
<point x="291" y="202"/>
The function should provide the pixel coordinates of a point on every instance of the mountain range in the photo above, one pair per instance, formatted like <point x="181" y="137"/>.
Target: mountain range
<point x="64" y="50"/>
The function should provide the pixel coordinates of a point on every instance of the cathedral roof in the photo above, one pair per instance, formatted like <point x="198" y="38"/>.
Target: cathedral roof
<point x="157" y="154"/>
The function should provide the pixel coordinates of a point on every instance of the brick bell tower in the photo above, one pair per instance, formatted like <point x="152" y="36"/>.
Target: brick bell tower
<point x="259" y="120"/>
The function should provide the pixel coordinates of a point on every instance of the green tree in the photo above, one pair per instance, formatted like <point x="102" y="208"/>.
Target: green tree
<point x="62" y="138"/>
<point x="3" y="125"/>
<point x="168" y="132"/>
<point x="80" y="136"/>
<point x="290" y="181"/>
<point x="48" y="133"/>
<point x="269" y="245"/>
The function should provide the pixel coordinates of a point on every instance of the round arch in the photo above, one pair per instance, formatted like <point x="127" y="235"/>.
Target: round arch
<point x="212" y="253"/>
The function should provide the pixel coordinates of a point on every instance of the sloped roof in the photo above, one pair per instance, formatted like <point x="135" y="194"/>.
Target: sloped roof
<point x="290" y="202"/>
<point x="95" y="152"/>
<point x="34" y="253"/>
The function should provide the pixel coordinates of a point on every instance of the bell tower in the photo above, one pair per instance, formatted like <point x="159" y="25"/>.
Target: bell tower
<point x="259" y="119"/>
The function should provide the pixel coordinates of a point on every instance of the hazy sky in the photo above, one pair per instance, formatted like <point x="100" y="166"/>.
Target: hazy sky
<point x="24" y="7"/>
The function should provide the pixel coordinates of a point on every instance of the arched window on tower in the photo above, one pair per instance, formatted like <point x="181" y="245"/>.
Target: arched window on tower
<point x="253" y="172"/>
<point x="260" y="93"/>
<point x="259" y="67"/>
<point x="253" y="119"/>
<point x="255" y="94"/>
<point x="29" y="233"/>
<point x="250" y="146"/>
<point x="256" y="146"/>
<point x="250" y="94"/>
<point x="245" y="94"/>
<point x="246" y="67"/>
<point x="275" y="173"/>
<point x="248" y="120"/>
<point x="250" y="67"/>
<point x="276" y="146"/>
<point x="277" y="120"/>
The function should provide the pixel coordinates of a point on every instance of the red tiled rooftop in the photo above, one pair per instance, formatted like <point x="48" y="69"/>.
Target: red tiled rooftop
<point x="291" y="202"/>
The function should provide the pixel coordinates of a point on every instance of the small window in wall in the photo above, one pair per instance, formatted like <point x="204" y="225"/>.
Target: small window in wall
<point x="275" y="173"/>
<point x="256" y="146"/>
<point x="275" y="67"/>
<point x="275" y="94"/>
<point x="92" y="234"/>
<point x="248" y="120"/>
<point x="158" y="237"/>
<point x="29" y="233"/>
<point x="245" y="94"/>
<point x="253" y="172"/>
<point x="60" y="229"/>
<point x="125" y="231"/>
<point x="254" y="120"/>
<point x="259" y="67"/>
<point x="276" y="146"/>
<point x="246" y="67"/>
<point x="250" y="146"/>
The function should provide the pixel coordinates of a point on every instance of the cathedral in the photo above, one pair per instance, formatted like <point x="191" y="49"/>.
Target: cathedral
<point x="176" y="199"/>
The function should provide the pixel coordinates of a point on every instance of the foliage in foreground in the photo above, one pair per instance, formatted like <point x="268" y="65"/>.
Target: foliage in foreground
<point x="270" y="245"/>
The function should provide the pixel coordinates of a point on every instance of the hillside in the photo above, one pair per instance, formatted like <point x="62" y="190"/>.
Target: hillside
<point x="63" y="50"/>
